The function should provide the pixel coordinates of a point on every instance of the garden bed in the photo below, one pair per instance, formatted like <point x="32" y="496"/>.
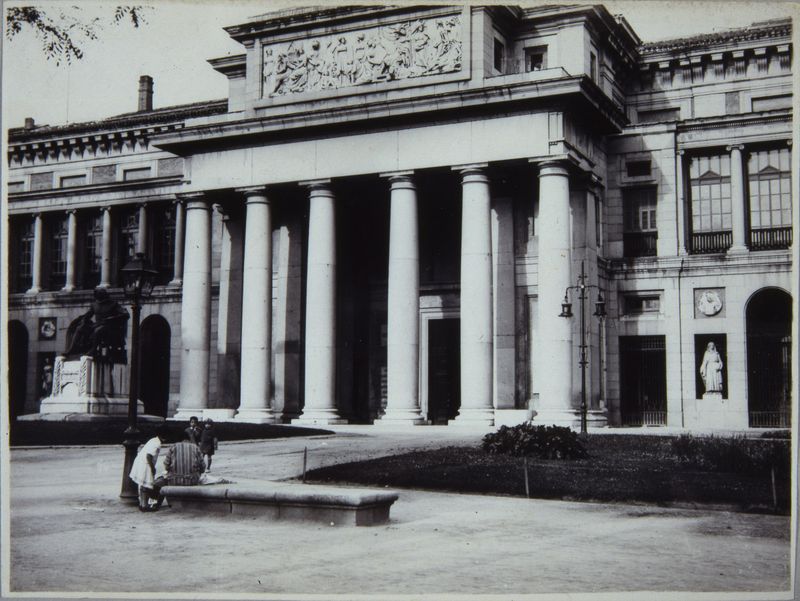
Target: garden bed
<point x="52" y="433"/>
<point x="619" y="468"/>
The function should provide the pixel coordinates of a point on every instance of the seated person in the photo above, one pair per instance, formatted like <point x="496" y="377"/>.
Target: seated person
<point x="183" y="466"/>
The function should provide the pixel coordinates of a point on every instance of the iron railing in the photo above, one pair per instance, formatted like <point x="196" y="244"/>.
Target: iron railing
<point x="771" y="239"/>
<point x="770" y="419"/>
<point x="644" y="418"/>
<point x="711" y="242"/>
<point x="639" y="244"/>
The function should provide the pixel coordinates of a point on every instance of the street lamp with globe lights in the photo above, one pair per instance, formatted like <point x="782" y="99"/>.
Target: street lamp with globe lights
<point x="599" y="311"/>
<point x="138" y="277"/>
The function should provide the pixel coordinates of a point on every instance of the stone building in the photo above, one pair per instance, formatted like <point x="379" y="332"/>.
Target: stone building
<point x="387" y="220"/>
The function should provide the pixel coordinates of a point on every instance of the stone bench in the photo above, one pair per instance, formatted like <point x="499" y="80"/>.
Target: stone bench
<point x="286" y="501"/>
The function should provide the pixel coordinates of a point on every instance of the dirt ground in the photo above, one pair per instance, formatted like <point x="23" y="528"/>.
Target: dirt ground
<point x="70" y="533"/>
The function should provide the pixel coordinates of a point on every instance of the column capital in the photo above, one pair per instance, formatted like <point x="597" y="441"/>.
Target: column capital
<point x="470" y="168"/>
<point x="177" y="200"/>
<point x="249" y="192"/>
<point x="732" y="147"/>
<point x="400" y="180"/>
<point x="313" y="184"/>
<point x="557" y="167"/>
<point x="195" y="200"/>
<point x="680" y="152"/>
<point x="71" y="211"/>
<point x="105" y="209"/>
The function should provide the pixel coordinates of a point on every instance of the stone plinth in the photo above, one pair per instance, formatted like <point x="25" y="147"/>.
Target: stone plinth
<point x="84" y="385"/>
<point x="714" y="412"/>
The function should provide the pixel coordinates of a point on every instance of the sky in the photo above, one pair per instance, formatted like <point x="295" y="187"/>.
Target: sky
<point x="180" y="36"/>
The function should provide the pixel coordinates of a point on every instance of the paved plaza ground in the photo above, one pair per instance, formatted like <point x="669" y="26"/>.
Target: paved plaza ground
<point x="70" y="533"/>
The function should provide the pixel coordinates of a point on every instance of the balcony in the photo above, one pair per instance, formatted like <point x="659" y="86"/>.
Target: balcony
<point x="771" y="239"/>
<point x="639" y="244"/>
<point x="711" y="242"/>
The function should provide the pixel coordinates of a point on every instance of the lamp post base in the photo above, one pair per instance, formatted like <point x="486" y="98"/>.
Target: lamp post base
<point x="130" y="490"/>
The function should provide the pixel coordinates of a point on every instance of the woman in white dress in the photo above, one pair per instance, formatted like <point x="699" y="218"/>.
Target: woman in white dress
<point x="711" y="369"/>
<point x="143" y="470"/>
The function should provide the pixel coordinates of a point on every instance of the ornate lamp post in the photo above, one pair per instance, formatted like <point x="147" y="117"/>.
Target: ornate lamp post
<point x="138" y="277"/>
<point x="599" y="311"/>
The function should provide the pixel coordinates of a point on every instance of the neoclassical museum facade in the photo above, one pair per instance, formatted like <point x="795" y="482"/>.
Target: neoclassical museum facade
<point x="393" y="216"/>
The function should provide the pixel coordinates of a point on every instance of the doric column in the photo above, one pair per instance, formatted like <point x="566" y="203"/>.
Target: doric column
<point x="196" y="308"/>
<point x="36" y="267"/>
<point x="105" y="263"/>
<point x="738" y="216"/>
<point x="177" y="271"/>
<point x="255" y="403"/>
<point x="402" y="341"/>
<point x="476" y="297"/>
<point x="554" y="341"/>
<point x="320" y="343"/>
<point x="72" y="245"/>
<point x="141" y="239"/>
<point x="504" y="300"/>
<point x="229" y="314"/>
<point x="680" y="200"/>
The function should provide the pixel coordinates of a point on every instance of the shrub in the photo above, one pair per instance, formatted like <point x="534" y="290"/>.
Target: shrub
<point x="545" y="442"/>
<point x="734" y="454"/>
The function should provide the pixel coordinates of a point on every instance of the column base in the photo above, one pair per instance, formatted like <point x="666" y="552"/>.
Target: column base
<point x="319" y="418"/>
<point x="473" y="417"/>
<point x="255" y="416"/>
<point x="595" y="418"/>
<point x="183" y="414"/>
<point x="737" y="250"/>
<point x="401" y="417"/>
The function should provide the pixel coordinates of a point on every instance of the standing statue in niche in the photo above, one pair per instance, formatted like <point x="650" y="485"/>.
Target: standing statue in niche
<point x="711" y="369"/>
<point x="101" y="331"/>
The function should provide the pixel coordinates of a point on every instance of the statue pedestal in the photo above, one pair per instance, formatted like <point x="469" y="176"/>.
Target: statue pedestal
<point x="85" y="385"/>
<point x="712" y="412"/>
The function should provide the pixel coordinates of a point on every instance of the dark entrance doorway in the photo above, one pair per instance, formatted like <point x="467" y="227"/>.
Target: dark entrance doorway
<point x="769" y="359"/>
<point x="444" y="369"/>
<point x="154" y="362"/>
<point x="17" y="368"/>
<point x="643" y="380"/>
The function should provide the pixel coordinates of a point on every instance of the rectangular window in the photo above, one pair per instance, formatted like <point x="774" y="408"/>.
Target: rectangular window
<point x="710" y="192"/>
<point x="24" y="258"/>
<point x="59" y="235"/>
<point x="70" y="181"/>
<point x="94" y="251"/>
<point x="636" y="304"/>
<point x="638" y="168"/>
<point x="164" y="251"/>
<point x="593" y="66"/>
<point x="134" y="174"/>
<point x="769" y="185"/>
<point x="639" y="221"/>
<point x="129" y="235"/>
<point x="536" y="58"/>
<point x="499" y="55"/>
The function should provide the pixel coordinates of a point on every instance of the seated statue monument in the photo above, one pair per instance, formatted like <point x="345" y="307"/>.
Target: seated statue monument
<point x="91" y="377"/>
<point x="101" y="331"/>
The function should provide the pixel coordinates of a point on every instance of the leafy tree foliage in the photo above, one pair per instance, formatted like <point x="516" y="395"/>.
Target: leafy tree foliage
<point x="62" y="31"/>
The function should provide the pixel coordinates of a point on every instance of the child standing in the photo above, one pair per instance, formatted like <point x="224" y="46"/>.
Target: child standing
<point x="143" y="470"/>
<point x="194" y="431"/>
<point x="208" y="442"/>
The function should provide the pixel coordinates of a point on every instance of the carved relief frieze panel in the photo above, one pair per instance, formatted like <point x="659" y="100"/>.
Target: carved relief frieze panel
<point x="398" y="51"/>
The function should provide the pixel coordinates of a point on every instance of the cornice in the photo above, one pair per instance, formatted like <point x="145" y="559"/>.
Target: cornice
<point x="718" y="122"/>
<point x="767" y="30"/>
<point x="505" y="92"/>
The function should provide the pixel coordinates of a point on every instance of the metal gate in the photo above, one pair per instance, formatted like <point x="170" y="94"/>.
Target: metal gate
<point x="769" y="359"/>
<point x="643" y="380"/>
